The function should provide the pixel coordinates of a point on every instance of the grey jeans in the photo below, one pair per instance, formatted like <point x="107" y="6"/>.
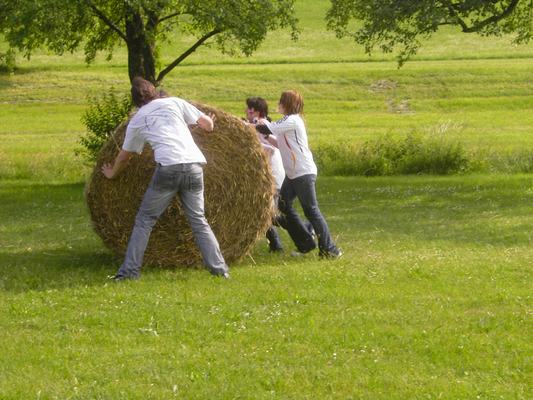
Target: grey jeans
<point x="186" y="180"/>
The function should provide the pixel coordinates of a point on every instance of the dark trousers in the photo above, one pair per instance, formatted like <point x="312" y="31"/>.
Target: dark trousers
<point x="304" y="189"/>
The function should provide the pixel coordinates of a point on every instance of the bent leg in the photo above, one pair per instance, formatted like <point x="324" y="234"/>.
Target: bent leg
<point x="299" y="234"/>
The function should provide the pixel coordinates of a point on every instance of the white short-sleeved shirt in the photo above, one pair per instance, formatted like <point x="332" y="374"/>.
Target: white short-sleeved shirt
<point x="276" y="163"/>
<point x="293" y="145"/>
<point x="163" y="123"/>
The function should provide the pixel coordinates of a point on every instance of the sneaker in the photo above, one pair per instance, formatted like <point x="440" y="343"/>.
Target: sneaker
<point x="121" y="278"/>
<point x="275" y="250"/>
<point x="331" y="255"/>
<point x="225" y="275"/>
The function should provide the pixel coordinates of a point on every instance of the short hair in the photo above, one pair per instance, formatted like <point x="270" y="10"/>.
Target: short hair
<point x="142" y="91"/>
<point x="258" y="104"/>
<point x="292" y="102"/>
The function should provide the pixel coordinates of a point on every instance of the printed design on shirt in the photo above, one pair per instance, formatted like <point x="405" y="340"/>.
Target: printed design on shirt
<point x="293" y="156"/>
<point x="297" y="141"/>
<point x="279" y="121"/>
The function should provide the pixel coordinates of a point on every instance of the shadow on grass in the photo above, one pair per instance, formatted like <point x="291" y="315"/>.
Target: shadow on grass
<point x="54" y="269"/>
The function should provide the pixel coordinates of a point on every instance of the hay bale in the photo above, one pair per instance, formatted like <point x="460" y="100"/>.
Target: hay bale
<point x="238" y="196"/>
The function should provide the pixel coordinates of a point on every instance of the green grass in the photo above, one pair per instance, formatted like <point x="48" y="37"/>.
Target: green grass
<point x="432" y="299"/>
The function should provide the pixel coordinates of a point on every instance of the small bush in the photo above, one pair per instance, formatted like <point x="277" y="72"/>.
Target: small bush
<point x="8" y="61"/>
<point x="104" y="114"/>
<point x="413" y="154"/>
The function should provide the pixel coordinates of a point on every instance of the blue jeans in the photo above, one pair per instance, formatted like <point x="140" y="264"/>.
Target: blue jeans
<point x="303" y="187"/>
<point x="186" y="180"/>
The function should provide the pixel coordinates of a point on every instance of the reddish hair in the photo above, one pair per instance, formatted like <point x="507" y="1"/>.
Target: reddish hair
<point x="142" y="91"/>
<point x="292" y="102"/>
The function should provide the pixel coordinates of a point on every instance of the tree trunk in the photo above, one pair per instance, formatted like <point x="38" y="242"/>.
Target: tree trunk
<point x="141" y="59"/>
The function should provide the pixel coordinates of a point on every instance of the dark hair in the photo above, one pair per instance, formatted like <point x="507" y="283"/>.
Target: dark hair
<point x="258" y="104"/>
<point x="292" y="102"/>
<point x="142" y="91"/>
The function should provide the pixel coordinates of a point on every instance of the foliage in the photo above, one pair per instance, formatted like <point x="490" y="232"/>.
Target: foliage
<point x="8" y="61"/>
<point x="386" y="155"/>
<point x="101" y="119"/>
<point x="390" y="24"/>
<point x="141" y="25"/>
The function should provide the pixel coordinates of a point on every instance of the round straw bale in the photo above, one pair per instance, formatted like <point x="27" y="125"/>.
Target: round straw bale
<point x="238" y="191"/>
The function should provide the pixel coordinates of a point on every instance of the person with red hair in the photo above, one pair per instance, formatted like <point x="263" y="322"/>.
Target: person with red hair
<point x="289" y="134"/>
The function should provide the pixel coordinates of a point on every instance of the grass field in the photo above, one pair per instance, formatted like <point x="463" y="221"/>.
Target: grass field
<point x="432" y="299"/>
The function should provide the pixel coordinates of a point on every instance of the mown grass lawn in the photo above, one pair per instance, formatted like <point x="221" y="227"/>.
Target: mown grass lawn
<point x="432" y="300"/>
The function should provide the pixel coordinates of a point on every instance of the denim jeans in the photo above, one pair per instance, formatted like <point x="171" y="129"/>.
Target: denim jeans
<point x="187" y="181"/>
<point x="303" y="187"/>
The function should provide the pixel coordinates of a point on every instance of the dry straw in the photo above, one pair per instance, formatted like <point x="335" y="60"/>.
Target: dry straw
<point x="238" y="196"/>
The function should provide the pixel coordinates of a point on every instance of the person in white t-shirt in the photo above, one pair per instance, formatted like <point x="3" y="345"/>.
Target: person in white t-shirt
<point x="290" y="136"/>
<point x="163" y="123"/>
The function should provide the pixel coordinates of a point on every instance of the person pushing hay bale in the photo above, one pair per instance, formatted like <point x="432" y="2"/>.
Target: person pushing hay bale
<point x="238" y="195"/>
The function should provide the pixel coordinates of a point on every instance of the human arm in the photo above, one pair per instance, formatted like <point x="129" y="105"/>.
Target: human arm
<point x="121" y="161"/>
<point x="264" y="129"/>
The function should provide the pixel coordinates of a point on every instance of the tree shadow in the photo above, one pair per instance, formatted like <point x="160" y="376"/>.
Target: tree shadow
<point x="54" y="269"/>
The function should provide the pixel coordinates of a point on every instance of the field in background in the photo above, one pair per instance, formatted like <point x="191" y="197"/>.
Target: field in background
<point x="431" y="300"/>
<point x="477" y="90"/>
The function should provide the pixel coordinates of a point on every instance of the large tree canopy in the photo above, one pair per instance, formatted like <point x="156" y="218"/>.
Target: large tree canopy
<point x="102" y="25"/>
<point x="399" y="24"/>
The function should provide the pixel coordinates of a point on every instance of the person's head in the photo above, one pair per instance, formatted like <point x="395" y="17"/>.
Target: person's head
<point x="256" y="107"/>
<point x="291" y="102"/>
<point x="142" y="91"/>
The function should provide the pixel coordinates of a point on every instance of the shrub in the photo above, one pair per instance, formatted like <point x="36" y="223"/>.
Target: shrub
<point x="413" y="154"/>
<point x="104" y="114"/>
<point x="8" y="61"/>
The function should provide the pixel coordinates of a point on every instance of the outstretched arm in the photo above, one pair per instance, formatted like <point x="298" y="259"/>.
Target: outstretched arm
<point x="121" y="161"/>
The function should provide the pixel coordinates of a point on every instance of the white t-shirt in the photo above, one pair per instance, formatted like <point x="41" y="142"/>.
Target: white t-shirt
<point x="163" y="123"/>
<point x="292" y="143"/>
<point x="276" y="163"/>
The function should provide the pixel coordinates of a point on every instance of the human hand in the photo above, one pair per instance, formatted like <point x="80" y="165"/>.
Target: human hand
<point x="107" y="170"/>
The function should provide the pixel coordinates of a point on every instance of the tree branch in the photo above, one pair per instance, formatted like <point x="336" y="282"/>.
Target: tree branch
<point x="106" y="20"/>
<point x="191" y="50"/>
<point x="169" y="16"/>
<point x="491" y="20"/>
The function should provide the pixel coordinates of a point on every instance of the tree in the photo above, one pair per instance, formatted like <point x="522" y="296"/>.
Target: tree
<point x="141" y="25"/>
<point x="391" y="24"/>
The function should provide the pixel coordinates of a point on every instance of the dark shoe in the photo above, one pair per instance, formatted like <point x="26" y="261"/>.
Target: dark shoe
<point x="121" y="278"/>
<point x="275" y="250"/>
<point x="219" y="274"/>
<point x="331" y="255"/>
